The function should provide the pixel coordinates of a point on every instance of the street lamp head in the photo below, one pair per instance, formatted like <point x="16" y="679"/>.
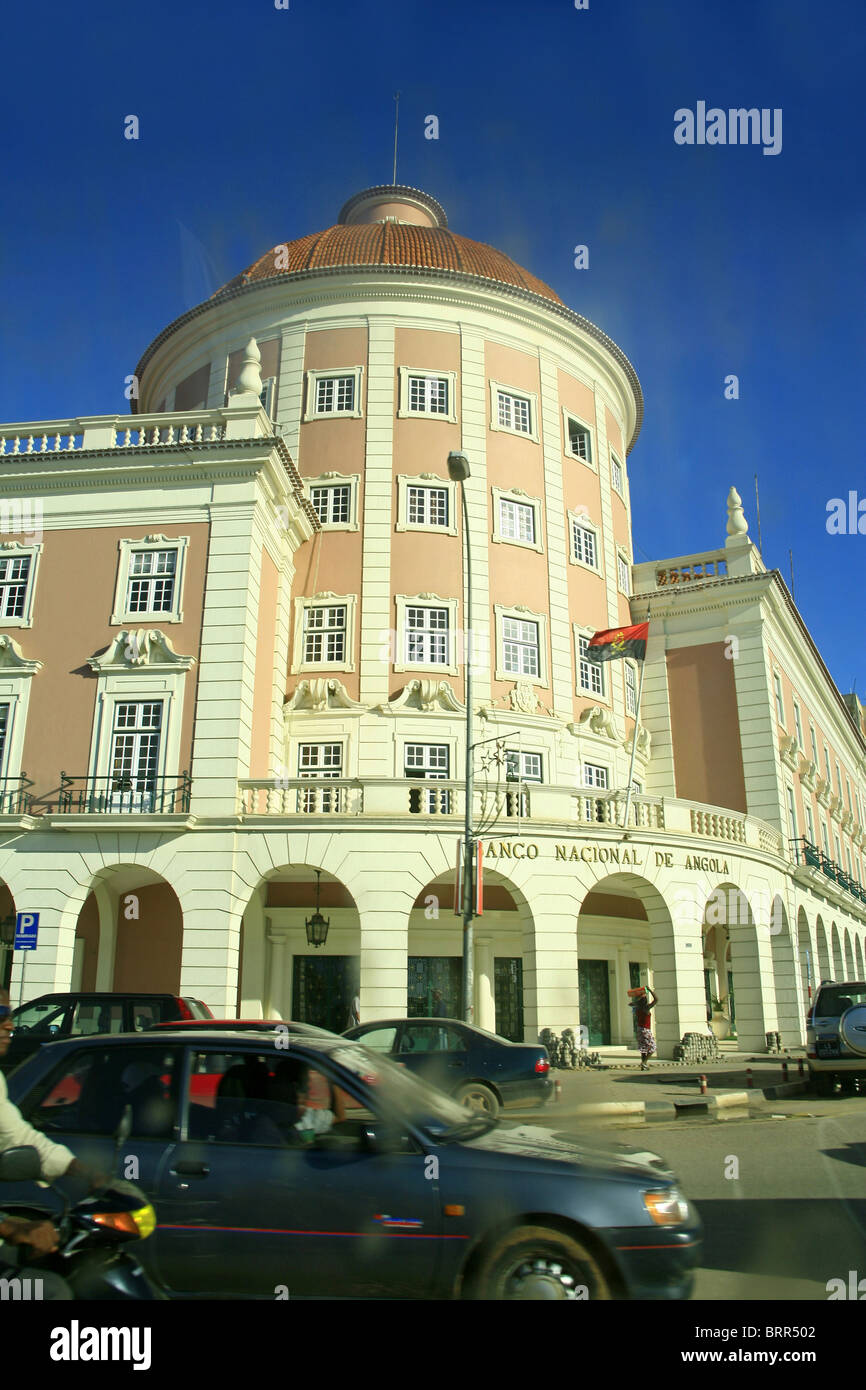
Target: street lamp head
<point x="458" y="467"/>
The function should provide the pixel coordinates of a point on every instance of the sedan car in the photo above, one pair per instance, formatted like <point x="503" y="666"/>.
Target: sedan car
<point x="396" y="1193"/>
<point x="479" y="1069"/>
<point x="54" y="1016"/>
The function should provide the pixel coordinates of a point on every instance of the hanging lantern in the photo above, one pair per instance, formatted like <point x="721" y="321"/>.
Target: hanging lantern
<point x="317" y="925"/>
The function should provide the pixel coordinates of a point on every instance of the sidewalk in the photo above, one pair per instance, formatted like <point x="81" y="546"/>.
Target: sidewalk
<point x="619" y="1092"/>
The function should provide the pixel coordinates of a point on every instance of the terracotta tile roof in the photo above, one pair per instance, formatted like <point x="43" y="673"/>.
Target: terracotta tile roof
<point x="392" y="244"/>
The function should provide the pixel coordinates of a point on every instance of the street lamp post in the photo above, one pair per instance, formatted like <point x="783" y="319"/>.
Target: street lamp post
<point x="458" y="471"/>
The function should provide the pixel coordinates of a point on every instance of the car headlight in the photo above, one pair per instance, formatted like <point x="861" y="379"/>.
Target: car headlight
<point x="667" y="1207"/>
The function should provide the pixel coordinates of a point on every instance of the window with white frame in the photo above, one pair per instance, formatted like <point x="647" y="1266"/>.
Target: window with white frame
<point x="333" y="503"/>
<point x="268" y="395"/>
<point x="428" y="762"/>
<point x="319" y="762"/>
<point x="579" y="439"/>
<point x="838" y="849"/>
<point x="427" y="506"/>
<point x="520" y="647"/>
<point x="427" y="636"/>
<point x="333" y="392"/>
<point x="150" y="576"/>
<point x="792" y="813"/>
<point x="780" y="703"/>
<point x="616" y="473"/>
<point x="630" y="690"/>
<point x="4" y="726"/>
<point x="430" y="394"/>
<point x="623" y="571"/>
<point x="14" y="579"/>
<point x="134" y="759"/>
<point x="814" y="744"/>
<point x="584" y="543"/>
<point x="827" y="766"/>
<point x="520" y="767"/>
<point x="850" y="861"/>
<point x="810" y="822"/>
<point x="594" y="776"/>
<point x="848" y="789"/>
<point x="798" y="724"/>
<point x="516" y="520"/>
<point x="324" y="634"/>
<point x="824" y="839"/>
<point x="590" y="673"/>
<point x="514" y="411"/>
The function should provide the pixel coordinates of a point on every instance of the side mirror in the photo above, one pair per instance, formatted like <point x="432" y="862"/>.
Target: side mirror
<point x="20" y="1164"/>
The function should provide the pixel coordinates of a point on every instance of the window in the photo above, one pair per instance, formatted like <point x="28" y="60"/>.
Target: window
<point x="333" y="392"/>
<point x="428" y="762"/>
<point x="520" y="647"/>
<point x="255" y="1100"/>
<point x="838" y="850"/>
<point x="584" y="550"/>
<point x="827" y="766"/>
<point x="135" y="754"/>
<point x="824" y="840"/>
<point x="792" y="813"/>
<point x="850" y="862"/>
<point x="516" y="412"/>
<point x="623" y="570"/>
<point x="14" y="575"/>
<point x="616" y="473"/>
<point x="320" y="762"/>
<point x="89" y="1090"/>
<point x="799" y="725"/>
<point x="630" y="690"/>
<point x="324" y="634"/>
<point x="332" y="504"/>
<point x="814" y="744"/>
<point x="431" y="394"/>
<point x="516" y="521"/>
<point x="267" y="396"/>
<point x="380" y="1039"/>
<point x="591" y="675"/>
<point x="594" y="776"/>
<point x="151" y="581"/>
<point x="4" y="726"/>
<point x="847" y="788"/>
<point x="513" y="412"/>
<point x="810" y="823"/>
<point x="427" y="636"/>
<point x="780" y="703"/>
<point x="427" y="506"/>
<point x="579" y="439"/>
<point x="522" y="767"/>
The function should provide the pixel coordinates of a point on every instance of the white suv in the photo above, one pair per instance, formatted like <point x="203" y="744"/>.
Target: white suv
<point x="836" y="1035"/>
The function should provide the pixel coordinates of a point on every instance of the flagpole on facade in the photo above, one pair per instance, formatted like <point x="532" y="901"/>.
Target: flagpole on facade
<point x="634" y="739"/>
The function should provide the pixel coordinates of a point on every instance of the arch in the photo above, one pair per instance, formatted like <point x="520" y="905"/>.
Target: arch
<point x="824" y="967"/>
<point x="789" y="1014"/>
<point x="858" y="958"/>
<point x="806" y="958"/>
<point x="836" y="963"/>
<point x="849" y="955"/>
<point x="750" y="1006"/>
<point x="131" y="927"/>
<point x="7" y="916"/>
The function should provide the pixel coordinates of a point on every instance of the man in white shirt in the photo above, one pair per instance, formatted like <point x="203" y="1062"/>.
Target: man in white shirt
<point x="57" y="1161"/>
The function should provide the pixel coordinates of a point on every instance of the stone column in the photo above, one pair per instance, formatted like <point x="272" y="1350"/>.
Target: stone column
<point x="254" y="950"/>
<point x="107" y="901"/>
<point x="485" y="997"/>
<point x="384" y="921"/>
<point x="677" y="967"/>
<point x="276" y="986"/>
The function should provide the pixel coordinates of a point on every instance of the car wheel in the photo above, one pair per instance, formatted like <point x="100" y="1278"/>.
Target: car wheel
<point x="539" y="1262"/>
<point x="825" y="1083"/>
<point x="476" y="1096"/>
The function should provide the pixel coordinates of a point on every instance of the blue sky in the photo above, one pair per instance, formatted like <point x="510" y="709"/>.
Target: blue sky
<point x="556" y="128"/>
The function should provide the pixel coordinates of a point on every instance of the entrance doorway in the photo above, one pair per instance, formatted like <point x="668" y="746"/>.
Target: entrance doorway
<point x="428" y="974"/>
<point x="323" y="988"/>
<point x="595" y="1000"/>
<point x="508" y="997"/>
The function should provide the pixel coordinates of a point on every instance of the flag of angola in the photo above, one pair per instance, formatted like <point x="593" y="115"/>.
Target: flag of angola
<point x="617" y="642"/>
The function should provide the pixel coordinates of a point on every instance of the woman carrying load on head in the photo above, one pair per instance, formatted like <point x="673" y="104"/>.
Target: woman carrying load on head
<point x="645" y="1040"/>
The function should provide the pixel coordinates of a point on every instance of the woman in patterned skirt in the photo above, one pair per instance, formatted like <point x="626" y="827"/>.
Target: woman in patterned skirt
<point x="645" y="1040"/>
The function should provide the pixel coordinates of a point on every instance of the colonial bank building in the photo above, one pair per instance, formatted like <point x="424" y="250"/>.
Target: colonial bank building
<point x="231" y="674"/>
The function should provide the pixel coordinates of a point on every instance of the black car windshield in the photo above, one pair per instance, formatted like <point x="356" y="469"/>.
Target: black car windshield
<point x="834" y="1000"/>
<point x="399" y="1091"/>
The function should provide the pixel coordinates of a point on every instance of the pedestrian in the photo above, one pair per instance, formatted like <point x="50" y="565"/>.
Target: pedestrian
<point x="354" y="1012"/>
<point x="645" y="1040"/>
<point x="438" y="1004"/>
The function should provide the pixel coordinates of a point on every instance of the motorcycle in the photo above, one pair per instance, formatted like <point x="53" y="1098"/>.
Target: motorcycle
<point x="92" y="1232"/>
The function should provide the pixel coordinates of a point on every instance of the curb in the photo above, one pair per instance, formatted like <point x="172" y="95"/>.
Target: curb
<point x="787" y="1088"/>
<point x="636" y="1112"/>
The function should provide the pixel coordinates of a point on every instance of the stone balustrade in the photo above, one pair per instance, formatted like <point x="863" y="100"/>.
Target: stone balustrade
<point x="165" y="429"/>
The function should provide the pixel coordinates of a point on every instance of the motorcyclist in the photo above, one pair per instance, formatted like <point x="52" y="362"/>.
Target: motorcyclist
<point x="56" y="1160"/>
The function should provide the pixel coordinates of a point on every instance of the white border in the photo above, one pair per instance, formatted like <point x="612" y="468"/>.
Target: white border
<point x="407" y="480"/>
<point x="580" y="630"/>
<point x="15" y="550"/>
<point x="530" y="396"/>
<point x="566" y="439"/>
<point x="403" y="410"/>
<point x="404" y="601"/>
<point x="338" y="480"/>
<point x="516" y="494"/>
<point x="121" y="615"/>
<point x="525" y="615"/>
<point x="314" y="375"/>
<point x="586" y="524"/>
<point x="350" y="601"/>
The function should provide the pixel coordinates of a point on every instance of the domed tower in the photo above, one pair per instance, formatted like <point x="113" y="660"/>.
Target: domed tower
<point x="385" y="342"/>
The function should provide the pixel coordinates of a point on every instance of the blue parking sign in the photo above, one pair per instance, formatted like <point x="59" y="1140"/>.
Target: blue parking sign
<point x="26" y="931"/>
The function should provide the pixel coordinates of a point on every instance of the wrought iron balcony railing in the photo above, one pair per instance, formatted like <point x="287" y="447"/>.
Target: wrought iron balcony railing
<point x="15" y="800"/>
<point x="815" y="858"/>
<point x="111" y="796"/>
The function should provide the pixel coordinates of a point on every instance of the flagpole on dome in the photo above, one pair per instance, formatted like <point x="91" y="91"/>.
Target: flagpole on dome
<point x="634" y="736"/>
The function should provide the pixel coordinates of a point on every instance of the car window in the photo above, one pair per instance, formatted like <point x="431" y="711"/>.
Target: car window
<point x="145" y="1013"/>
<point x="833" y="1002"/>
<point x="380" y="1039"/>
<point x="96" y="1016"/>
<point x="44" y="1018"/>
<point x="430" y="1037"/>
<point x="89" y="1091"/>
<point x="260" y="1099"/>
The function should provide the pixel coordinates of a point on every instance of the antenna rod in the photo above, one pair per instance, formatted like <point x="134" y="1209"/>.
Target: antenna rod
<point x="396" y="120"/>
<point x="758" y="506"/>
